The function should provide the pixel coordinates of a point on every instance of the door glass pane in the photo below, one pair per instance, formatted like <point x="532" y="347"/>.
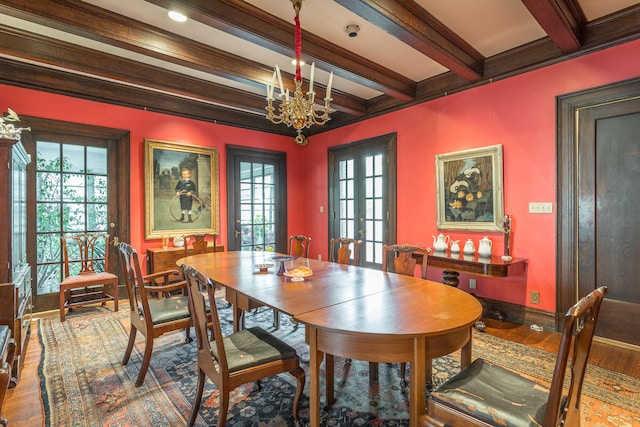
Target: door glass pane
<point x="257" y="207"/>
<point x="73" y="158"/>
<point x="69" y="199"/>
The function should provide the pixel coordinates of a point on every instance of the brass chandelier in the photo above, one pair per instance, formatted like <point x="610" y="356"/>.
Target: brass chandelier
<point x="298" y="110"/>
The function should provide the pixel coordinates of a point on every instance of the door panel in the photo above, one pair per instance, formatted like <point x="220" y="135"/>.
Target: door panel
<point x="78" y="182"/>
<point x="608" y="220"/>
<point x="362" y="195"/>
<point x="256" y="192"/>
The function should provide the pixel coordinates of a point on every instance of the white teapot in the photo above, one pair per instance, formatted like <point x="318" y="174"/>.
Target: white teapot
<point x="484" y="250"/>
<point x="469" y="248"/>
<point x="440" y="243"/>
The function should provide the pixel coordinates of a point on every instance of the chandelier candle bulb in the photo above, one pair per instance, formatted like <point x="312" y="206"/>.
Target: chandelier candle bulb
<point x="313" y="69"/>
<point x="281" y="86"/>
<point x="328" y="96"/>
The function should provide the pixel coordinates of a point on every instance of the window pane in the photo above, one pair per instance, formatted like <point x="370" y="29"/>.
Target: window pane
<point x="378" y="186"/>
<point x="245" y="172"/>
<point x="350" y="209"/>
<point x="350" y="193"/>
<point x="49" y="276"/>
<point x="48" y="186"/>
<point x="378" y="165"/>
<point x="342" y="166"/>
<point x="48" y="217"/>
<point x="368" y="187"/>
<point x="97" y="160"/>
<point x="73" y="156"/>
<point x="48" y="248"/>
<point x="269" y="174"/>
<point x="74" y="217"/>
<point x="97" y="217"/>
<point x="73" y="187"/>
<point x="48" y="156"/>
<point x="96" y="188"/>
<point x="368" y="168"/>
<point x="350" y="172"/>
<point x="378" y="211"/>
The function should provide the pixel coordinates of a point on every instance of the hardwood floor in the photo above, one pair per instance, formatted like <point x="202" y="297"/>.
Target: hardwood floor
<point x="23" y="406"/>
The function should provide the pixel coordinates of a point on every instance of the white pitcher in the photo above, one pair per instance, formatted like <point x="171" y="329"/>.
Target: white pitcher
<point x="455" y="247"/>
<point x="484" y="250"/>
<point x="469" y="248"/>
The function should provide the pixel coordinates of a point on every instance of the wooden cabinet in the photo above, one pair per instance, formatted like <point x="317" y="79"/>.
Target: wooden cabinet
<point x="161" y="259"/>
<point x="15" y="272"/>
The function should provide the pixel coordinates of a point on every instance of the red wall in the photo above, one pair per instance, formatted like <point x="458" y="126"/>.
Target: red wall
<point x="144" y="124"/>
<point x="518" y="113"/>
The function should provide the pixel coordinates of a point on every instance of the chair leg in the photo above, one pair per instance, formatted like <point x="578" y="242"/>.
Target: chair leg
<point x="187" y="333"/>
<point x="132" y="341"/>
<point x="300" y="379"/>
<point x="62" y="300"/>
<point x="224" y="407"/>
<point x="196" y="402"/>
<point x="146" y="360"/>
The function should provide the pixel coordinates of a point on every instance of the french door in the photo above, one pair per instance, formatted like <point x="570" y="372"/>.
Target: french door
<point x="257" y="200"/>
<point x="362" y="195"/>
<point x="74" y="187"/>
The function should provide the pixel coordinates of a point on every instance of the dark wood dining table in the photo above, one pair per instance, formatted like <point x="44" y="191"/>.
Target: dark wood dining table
<point x="352" y="312"/>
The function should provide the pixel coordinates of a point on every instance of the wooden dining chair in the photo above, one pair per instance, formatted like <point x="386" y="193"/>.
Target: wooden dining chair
<point x="230" y="361"/>
<point x="484" y="394"/>
<point x="199" y="243"/>
<point x="299" y="246"/>
<point x="340" y="250"/>
<point x="399" y="259"/>
<point x="154" y="309"/>
<point x="86" y="276"/>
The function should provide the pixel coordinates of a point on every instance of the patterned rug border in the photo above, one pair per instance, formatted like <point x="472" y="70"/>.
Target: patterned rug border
<point x="530" y="361"/>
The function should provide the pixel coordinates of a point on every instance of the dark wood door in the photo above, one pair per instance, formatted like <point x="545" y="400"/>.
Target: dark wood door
<point x="609" y="224"/>
<point x="256" y="200"/>
<point x="606" y="219"/>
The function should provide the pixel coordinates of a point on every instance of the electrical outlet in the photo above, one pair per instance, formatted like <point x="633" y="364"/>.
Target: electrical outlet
<point x="540" y="207"/>
<point x="472" y="283"/>
<point x="534" y="297"/>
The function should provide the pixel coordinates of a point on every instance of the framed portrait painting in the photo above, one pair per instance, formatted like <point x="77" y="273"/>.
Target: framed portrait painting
<point x="181" y="189"/>
<point x="469" y="189"/>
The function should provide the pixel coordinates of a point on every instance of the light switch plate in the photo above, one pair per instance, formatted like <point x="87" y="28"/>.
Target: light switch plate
<point x="540" y="207"/>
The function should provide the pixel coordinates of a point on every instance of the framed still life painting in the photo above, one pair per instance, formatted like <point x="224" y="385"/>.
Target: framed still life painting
<point x="469" y="189"/>
<point x="181" y="189"/>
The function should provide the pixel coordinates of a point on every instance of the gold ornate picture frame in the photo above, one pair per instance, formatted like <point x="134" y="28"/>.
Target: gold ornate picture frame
<point x="469" y="192"/>
<point x="181" y="189"/>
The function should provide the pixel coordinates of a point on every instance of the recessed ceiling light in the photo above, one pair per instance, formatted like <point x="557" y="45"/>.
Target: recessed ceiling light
<point x="177" y="16"/>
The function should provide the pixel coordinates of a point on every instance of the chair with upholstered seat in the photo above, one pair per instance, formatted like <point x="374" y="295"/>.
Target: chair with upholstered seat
<point x="154" y="310"/>
<point x="86" y="276"/>
<point x="484" y="394"/>
<point x="299" y="246"/>
<point x="230" y="361"/>
<point x="340" y="250"/>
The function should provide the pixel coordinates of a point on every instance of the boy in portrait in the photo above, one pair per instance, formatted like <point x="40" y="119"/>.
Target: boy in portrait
<point x="185" y="188"/>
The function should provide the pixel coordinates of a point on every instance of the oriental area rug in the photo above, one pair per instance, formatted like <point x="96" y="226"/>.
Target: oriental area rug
<point x="83" y="382"/>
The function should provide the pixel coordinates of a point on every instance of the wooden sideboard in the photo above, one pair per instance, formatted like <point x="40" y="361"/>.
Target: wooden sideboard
<point x="473" y="264"/>
<point x="162" y="259"/>
<point x="493" y="266"/>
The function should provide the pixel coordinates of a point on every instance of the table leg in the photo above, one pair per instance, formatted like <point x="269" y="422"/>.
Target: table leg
<point x="238" y="319"/>
<point x="465" y="351"/>
<point x="417" y="382"/>
<point x="315" y="359"/>
<point x="329" y="369"/>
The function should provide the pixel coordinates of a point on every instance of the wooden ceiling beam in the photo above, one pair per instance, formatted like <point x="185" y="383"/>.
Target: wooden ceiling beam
<point x="252" y="24"/>
<point x="562" y="20"/>
<point x="83" y="19"/>
<point x="413" y="25"/>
